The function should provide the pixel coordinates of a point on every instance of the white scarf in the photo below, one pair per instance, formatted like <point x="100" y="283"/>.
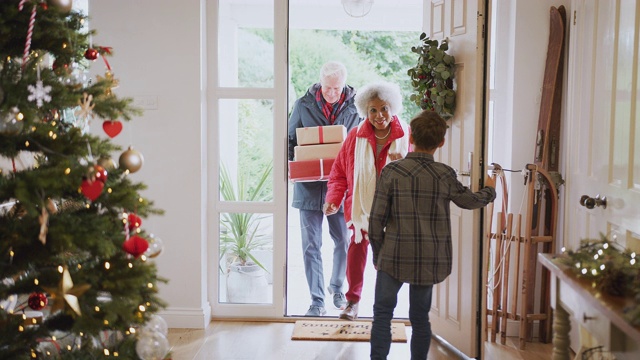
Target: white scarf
<point x="364" y="178"/>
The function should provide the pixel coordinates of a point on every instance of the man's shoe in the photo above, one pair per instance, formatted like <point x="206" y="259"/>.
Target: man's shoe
<point x="315" y="310"/>
<point x="350" y="312"/>
<point x="339" y="301"/>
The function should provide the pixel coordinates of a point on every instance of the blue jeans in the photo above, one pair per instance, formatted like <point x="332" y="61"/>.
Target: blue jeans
<point x="311" y="226"/>
<point x="386" y="298"/>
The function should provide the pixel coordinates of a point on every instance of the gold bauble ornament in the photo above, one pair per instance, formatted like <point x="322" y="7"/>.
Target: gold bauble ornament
<point x="131" y="160"/>
<point x="62" y="5"/>
<point x="51" y="206"/>
<point x="107" y="163"/>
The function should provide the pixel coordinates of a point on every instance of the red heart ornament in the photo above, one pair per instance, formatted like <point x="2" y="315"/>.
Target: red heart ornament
<point x="112" y="127"/>
<point x="135" y="246"/>
<point x="91" y="189"/>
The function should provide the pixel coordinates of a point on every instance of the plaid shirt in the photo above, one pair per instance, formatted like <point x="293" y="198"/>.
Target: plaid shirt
<point x="410" y="226"/>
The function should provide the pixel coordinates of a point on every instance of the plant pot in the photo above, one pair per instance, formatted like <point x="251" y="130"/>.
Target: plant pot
<point x="247" y="284"/>
<point x="265" y="257"/>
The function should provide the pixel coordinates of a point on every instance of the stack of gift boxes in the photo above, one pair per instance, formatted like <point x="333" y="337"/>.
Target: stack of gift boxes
<point x="317" y="148"/>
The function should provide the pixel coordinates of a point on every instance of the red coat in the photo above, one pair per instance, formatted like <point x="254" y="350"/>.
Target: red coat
<point x="341" y="176"/>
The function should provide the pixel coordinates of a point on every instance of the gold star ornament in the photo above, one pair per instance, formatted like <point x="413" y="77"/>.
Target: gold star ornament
<point x="67" y="293"/>
<point x="109" y="77"/>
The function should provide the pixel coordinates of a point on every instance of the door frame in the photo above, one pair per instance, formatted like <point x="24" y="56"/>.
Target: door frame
<point x="278" y="206"/>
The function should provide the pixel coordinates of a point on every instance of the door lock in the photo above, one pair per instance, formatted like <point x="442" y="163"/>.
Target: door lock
<point x="469" y="165"/>
<point x="590" y="202"/>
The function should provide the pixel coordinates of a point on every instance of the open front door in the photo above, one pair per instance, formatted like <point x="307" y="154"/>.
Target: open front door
<point x="454" y="312"/>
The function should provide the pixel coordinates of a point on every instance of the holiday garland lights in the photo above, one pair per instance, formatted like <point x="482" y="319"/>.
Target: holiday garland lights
<point x="610" y="268"/>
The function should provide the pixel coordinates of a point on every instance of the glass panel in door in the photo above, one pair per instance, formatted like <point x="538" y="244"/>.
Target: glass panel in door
<point x="245" y="43"/>
<point x="245" y="181"/>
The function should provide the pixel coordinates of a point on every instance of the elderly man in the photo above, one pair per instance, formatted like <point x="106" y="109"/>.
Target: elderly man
<point x="329" y="102"/>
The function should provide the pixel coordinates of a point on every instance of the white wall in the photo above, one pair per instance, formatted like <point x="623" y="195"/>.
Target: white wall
<point x="522" y="38"/>
<point x="156" y="47"/>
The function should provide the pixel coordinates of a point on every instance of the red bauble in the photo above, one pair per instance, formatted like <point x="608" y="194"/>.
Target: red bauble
<point x="112" y="127"/>
<point x="91" y="189"/>
<point x="100" y="173"/>
<point x="135" y="246"/>
<point x="37" y="301"/>
<point x="133" y="221"/>
<point x="91" y="54"/>
<point x="60" y="68"/>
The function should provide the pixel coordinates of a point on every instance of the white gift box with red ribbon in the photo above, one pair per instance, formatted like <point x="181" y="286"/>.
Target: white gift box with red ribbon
<point x="321" y="134"/>
<point x="316" y="152"/>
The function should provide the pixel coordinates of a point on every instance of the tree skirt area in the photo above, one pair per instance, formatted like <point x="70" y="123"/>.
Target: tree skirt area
<point x="332" y="330"/>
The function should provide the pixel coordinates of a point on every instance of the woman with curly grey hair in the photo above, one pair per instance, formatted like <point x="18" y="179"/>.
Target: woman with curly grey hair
<point x="377" y="140"/>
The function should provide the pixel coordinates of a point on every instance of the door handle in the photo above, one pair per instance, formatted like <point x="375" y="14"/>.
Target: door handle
<point x="586" y="318"/>
<point x="590" y="202"/>
<point x="469" y="164"/>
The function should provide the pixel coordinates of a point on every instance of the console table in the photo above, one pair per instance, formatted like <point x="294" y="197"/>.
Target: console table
<point x="600" y="314"/>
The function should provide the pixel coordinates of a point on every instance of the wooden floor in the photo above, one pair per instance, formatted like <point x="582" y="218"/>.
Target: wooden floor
<point x="234" y="340"/>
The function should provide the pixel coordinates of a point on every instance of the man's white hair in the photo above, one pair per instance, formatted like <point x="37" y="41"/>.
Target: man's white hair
<point x="333" y="69"/>
<point x="385" y="91"/>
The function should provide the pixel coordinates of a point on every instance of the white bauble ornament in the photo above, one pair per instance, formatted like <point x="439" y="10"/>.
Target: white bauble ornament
<point x="156" y="323"/>
<point x="155" y="246"/>
<point x="152" y="345"/>
<point x="11" y="122"/>
<point x="9" y="303"/>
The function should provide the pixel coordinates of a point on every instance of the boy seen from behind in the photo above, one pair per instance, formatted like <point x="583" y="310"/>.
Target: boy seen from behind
<point x="410" y="232"/>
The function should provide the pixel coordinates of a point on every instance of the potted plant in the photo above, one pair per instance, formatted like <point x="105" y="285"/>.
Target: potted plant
<point x="432" y="77"/>
<point x="239" y="237"/>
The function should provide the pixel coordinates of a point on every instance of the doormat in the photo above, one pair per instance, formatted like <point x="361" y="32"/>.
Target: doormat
<point x="333" y="330"/>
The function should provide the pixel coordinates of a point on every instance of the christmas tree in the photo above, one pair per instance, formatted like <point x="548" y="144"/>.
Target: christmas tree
<point x="76" y="279"/>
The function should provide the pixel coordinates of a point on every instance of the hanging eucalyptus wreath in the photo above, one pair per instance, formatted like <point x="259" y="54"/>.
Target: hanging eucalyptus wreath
<point x="432" y="77"/>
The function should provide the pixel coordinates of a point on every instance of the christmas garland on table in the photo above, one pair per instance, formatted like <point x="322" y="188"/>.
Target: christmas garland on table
<point x="612" y="270"/>
<point x="432" y="77"/>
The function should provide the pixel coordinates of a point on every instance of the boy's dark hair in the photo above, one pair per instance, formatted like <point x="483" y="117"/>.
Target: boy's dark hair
<point x="428" y="129"/>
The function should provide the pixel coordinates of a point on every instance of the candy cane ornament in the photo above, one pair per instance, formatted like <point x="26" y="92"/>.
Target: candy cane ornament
<point x="32" y="21"/>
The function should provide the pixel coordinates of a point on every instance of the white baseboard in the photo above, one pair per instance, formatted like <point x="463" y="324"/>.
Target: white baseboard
<point x="187" y="318"/>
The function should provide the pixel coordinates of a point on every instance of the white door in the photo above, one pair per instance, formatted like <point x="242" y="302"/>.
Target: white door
<point x="603" y="152"/>
<point x="454" y="310"/>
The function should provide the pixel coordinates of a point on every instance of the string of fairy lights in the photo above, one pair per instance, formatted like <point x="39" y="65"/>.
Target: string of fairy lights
<point x="612" y="269"/>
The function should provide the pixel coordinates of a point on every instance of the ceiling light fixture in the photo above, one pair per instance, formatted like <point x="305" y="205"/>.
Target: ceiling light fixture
<point x="357" y="8"/>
